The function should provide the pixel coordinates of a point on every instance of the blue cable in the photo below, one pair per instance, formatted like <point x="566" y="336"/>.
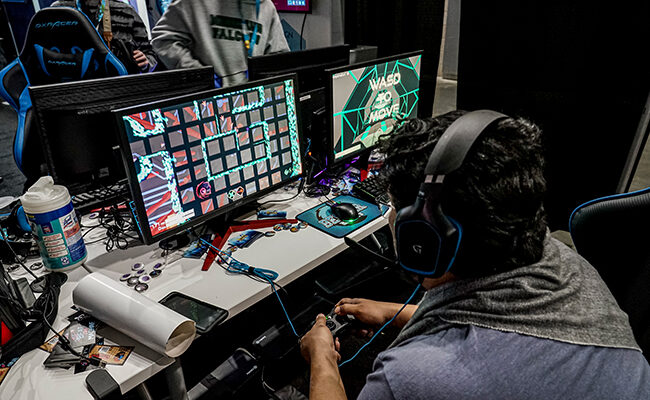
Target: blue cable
<point x="239" y="267"/>
<point x="382" y="328"/>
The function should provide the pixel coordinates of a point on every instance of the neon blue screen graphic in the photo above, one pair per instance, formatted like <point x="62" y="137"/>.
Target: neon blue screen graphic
<point x="367" y="101"/>
<point x="195" y="157"/>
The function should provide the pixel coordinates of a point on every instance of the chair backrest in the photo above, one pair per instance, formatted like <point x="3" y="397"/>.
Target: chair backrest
<point x="61" y="45"/>
<point x="612" y="234"/>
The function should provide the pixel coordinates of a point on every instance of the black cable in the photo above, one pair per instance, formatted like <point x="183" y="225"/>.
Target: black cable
<point x="317" y="190"/>
<point x="65" y="344"/>
<point x="33" y="315"/>
<point x="22" y="264"/>
<point x="300" y="188"/>
<point x="89" y="230"/>
<point x="116" y="225"/>
<point x="267" y="388"/>
<point x="302" y="29"/>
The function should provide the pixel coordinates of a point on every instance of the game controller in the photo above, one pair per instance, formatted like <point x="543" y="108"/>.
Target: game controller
<point x="338" y="323"/>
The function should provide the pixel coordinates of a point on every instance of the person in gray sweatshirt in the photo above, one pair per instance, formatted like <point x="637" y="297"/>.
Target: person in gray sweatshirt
<point x="517" y="315"/>
<point x="221" y="33"/>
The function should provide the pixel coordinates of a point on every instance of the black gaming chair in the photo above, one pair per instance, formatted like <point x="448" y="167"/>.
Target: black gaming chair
<point x="61" y="45"/>
<point x="612" y="234"/>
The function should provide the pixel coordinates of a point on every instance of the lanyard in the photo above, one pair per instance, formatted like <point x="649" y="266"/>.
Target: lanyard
<point x="249" y="40"/>
<point x="100" y="10"/>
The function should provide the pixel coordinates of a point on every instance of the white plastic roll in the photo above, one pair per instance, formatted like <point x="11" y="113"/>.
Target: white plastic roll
<point x="133" y="314"/>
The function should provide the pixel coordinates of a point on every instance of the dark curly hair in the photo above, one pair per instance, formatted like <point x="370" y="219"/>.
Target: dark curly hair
<point x="496" y="195"/>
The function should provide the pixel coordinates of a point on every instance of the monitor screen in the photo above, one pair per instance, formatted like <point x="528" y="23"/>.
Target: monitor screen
<point x="368" y="99"/>
<point x="310" y="65"/>
<point x="194" y="157"/>
<point x="292" y="5"/>
<point x="76" y="128"/>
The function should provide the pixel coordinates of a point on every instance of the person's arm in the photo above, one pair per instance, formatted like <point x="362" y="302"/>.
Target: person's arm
<point x="172" y="38"/>
<point x="321" y="352"/>
<point x="375" y="313"/>
<point x="143" y="52"/>
<point x="277" y="41"/>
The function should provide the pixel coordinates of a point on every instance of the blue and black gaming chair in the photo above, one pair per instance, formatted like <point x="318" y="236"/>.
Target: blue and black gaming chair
<point x="61" y="45"/>
<point x="613" y="234"/>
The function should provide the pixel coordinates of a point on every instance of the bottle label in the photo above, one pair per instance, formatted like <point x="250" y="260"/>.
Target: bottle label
<point x="59" y="237"/>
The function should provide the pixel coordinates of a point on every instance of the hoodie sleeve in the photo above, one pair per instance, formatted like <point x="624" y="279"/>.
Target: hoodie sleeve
<point x="172" y="39"/>
<point x="141" y="39"/>
<point x="277" y="42"/>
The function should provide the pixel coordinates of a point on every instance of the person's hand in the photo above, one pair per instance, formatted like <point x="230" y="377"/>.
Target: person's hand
<point x="318" y="342"/>
<point x="140" y="58"/>
<point x="368" y="312"/>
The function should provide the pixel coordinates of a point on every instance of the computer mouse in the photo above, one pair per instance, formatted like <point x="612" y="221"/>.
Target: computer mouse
<point x="344" y="211"/>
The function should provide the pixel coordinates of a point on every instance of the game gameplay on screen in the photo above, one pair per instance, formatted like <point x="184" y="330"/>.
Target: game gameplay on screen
<point x="367" y="101"/>
<point x="198" y="156"/>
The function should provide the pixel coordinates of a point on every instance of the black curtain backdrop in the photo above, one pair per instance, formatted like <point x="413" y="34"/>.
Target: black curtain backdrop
<point x="400" y="26"/>
<point x="579" y="69"/>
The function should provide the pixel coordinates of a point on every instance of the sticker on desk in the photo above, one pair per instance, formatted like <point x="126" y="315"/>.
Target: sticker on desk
<point x="3" y="373"/>
<point x="4" y="368"/>
<point x="84" y="365"/>
<point x="113" y="355"/>
<point x="321" y="216"/>
<point x="51" y="342"/>
<point x="263" y="214"/>
<point x="197" y="248"/>
<point x="80" y="335"/>
<point x="245" y="239"/>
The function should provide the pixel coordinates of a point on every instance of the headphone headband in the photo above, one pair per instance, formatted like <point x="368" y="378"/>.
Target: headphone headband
<point x="427" y="239"/>
<point x="455" y="143"/>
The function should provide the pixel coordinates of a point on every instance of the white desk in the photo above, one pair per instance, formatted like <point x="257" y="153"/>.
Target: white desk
<point x="290" y="254"/>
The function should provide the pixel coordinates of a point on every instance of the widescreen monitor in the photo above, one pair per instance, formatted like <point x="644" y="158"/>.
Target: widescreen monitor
<point x="192" y="158"/>
<point x="310" y="65"/>
<point x="368" y="100"/>
<point x="301" y="6"/>
<point x="77" y="131"/>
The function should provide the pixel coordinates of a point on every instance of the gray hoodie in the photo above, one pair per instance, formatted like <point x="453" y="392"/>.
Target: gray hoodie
<point x="193" y="33"/>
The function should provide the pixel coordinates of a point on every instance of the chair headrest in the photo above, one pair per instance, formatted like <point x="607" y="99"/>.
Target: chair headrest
<point x="63" y="36"/>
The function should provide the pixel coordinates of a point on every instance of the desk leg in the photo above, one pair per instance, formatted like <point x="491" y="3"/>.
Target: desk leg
<point x="176" y="381"/>
<point x="143" y="392"/>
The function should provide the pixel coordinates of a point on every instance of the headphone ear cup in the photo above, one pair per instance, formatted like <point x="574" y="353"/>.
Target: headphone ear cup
<point x="423" y="247"/>
<point x="22" y="220"/>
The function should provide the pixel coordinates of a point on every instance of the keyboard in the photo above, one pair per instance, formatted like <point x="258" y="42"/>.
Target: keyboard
<point x="85" y="202"/>
<point x="371" y="190"/>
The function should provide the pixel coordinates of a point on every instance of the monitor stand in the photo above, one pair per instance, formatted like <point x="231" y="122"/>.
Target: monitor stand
<point x="219" y="225"/>
<point x="175" y="242"/>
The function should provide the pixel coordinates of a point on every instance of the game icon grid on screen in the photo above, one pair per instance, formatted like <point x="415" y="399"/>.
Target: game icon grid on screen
<point x="368" y="100"/>
<point x="199" y="156"/>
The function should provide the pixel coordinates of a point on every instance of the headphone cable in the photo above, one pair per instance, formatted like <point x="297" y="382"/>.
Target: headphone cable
<point x="265" y="275"/>
<point x="383" y="326"/>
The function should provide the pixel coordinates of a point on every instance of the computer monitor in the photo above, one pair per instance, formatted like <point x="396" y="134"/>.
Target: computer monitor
<point x="191" y="158"/>
<point x="308" y="64"/>
<point x="78" y="132"/>
<point x="301" y="6"/>
<point x="367" y="100"/>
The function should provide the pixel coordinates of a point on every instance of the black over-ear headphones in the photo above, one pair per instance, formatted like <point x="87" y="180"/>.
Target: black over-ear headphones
<point x="427" y="239"/>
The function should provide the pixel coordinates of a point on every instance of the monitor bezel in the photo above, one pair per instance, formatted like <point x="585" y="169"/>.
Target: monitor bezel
<point x="291" y="62"/>
<point x="331" y="159"/>
<point x="43" y="124"/>
<point x="136" y="193"/>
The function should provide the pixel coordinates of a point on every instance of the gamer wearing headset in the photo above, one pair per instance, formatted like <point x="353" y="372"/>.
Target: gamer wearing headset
<point x="509" y="312"/>
<point x="221" y="33"/>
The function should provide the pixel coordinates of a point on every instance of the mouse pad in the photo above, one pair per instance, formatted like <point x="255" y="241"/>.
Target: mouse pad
<point x="320" y="217"/>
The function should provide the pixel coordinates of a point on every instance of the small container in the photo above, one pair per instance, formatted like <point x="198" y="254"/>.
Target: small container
<point x="49" y="210"/>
